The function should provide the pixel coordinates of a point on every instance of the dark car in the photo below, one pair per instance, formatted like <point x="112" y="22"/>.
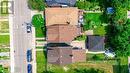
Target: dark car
<point x="29" y="29"/>
<point x="29" y="55"/>
<point x="29" y="68"/>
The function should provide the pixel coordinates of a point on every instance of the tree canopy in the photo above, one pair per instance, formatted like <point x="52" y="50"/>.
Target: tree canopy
<point x="119" y="28"/>
<point x="36" y="4"/>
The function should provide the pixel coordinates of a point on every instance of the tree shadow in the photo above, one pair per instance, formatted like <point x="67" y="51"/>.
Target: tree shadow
<point x="120" y="68"/>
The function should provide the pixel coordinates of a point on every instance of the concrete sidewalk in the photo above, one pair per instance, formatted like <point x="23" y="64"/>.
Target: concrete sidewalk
<point x="34" y="63"/>
<point x="4" y="53"/>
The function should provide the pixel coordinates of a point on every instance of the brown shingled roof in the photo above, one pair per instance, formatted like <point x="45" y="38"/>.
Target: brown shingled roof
<point x="62" y="33"/>
<point x="65" y="55"/>
<point x="61" y="16"/>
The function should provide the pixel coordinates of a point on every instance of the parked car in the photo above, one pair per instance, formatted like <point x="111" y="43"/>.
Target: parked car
<point x="29" y="55"/>
<point x="29" y="68"/>
<point x="29" y="29"/>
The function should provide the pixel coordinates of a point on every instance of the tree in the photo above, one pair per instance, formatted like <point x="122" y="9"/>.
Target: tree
<point x="36" y="5"/>
<point x="118" y="31"/>
<point x="1" y="69"/>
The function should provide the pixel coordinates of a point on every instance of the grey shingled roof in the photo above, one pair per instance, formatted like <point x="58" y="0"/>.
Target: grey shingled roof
<point x="95" y="43"/>
<point x="60" y="2"/>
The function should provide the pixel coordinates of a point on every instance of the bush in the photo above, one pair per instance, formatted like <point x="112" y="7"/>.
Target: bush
<point x="38" y="23"/>
<point x="87" y="5"/>
<point x="95" y="57"/>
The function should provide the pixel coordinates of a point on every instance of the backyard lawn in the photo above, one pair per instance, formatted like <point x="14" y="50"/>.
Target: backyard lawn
<point x="100" y="30"/>
<point x="94" y="22"/>
<point x="95" y="17"/>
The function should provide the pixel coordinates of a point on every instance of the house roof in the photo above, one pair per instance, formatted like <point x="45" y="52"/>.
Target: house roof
<point x="59" y="55"/>
<point x="60" y="2"/>
<point x="65" y="55"/>
<point x="61" y="16"/>
<point x="95" y="43"/>
<point x="59" y="33"/>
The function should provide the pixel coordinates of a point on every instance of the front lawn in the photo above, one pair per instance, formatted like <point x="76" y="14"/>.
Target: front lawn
<point x="40" y="61"/>
<point x="4" y="26"/>
<point x="4" y="39"/>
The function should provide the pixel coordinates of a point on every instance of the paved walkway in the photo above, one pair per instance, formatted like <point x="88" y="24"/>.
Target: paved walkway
<point x="40" y="38"/>
<point x="3" y="19"/>
<point x="33" y="12"/>
<point x="4" y="54"/>
<point x="4" y="33"/>
<point x="5" y="63"/>
<point x="95" y="52"/>
<point x="34" y="63"/>
<point x="40" y="49"/>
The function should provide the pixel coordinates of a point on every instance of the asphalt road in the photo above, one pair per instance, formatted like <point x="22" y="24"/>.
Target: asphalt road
<point x="21" y="39"/>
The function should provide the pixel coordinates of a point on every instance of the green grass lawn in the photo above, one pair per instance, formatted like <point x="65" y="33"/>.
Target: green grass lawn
<point x="39" y="32"/>
<point x="94" y="22"/>
<point x="40" y="61"/>
<point x="4" y="49"/>
<point x="4" y="58"/>
<point x="4" y="27"/>
<point x="100" y="30"/>
<point x="95" y="17"/>
<point x="4" y="39"/>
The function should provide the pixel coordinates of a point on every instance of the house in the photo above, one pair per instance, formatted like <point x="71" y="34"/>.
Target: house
<point x="60" y="2"/>
<point x="61" y="16"/>
<point x="63" y="54"/>
<point x="62" y="24"/>
<point x="95" y="43"/>
<point x="60" y="33"/>
<point x="62" y="28"/>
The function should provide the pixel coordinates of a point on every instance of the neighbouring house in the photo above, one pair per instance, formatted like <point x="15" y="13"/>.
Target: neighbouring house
<point x="63" y="54"/>
<point x="60" y="2"/>
<point x="95" y="43"/>
<point x="62" y="27"/>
